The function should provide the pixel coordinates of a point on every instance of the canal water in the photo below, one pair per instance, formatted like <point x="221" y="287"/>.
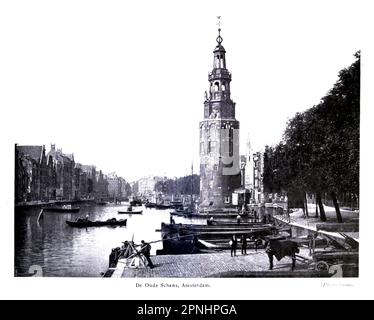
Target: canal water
<point x="63" y="251"/>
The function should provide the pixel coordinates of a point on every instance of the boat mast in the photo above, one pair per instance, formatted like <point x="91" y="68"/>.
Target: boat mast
<point x="192" y="203"/>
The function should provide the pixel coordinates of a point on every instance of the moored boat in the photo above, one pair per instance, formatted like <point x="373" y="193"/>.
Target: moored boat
<point x="163" y="206"/>
<point x="64" y="208"/>
<point x="150" y="205"/>
<point x="221" y="216"/>
<point x="215" y="232"/>
<point x="227" y="223"/>
<point x="83" y="223"/>
<point x="101" y="203"/>
<point x="136" y="203"/>
<point x="129" y="212"/>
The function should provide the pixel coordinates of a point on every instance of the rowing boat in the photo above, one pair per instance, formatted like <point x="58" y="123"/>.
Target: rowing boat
<point x="130" y="212"/>
<point x="81" y="223"/>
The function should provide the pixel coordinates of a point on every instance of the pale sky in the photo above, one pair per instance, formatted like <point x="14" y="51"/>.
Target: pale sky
<point x="121" y="84"/>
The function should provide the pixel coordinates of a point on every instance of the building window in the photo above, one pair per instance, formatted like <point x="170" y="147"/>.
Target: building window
<point x="227" y="199"/>
<point x="211" y="146"/>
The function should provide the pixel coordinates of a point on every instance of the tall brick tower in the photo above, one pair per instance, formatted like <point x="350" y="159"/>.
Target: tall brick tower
<point x="219" y="138"/>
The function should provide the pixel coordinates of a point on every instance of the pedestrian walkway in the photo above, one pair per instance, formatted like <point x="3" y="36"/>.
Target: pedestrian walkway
<point x="205" y="265"/>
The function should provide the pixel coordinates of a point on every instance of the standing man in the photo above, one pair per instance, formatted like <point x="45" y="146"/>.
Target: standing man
<point x="244" y="244"/>
<point x="270" y="252"/>
<point x="233" y="243"/>
<point x="238" y="219"/>
<point x="171" y="219"/>
<point x="145" y="249"/>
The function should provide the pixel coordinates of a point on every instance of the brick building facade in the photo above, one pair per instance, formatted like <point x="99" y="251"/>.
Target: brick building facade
<point x="56" y="176"/>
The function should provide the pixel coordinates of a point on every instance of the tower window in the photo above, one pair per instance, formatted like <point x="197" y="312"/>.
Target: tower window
<point x="217" y="63"/>
<point x="216" y="86"/>
<point x="223" y="87"/>
<point x="231" y="141"/>
<point x="211" y="146"/>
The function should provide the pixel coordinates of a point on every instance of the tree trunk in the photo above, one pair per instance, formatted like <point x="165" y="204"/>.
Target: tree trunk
<point x="321" y="209"/>
<point x="336" y="205"/>
<point x="306" y="205"/>
<point x="316" y="209"/>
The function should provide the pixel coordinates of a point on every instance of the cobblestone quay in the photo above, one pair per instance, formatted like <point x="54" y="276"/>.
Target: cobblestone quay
<point x="212" y="264"/>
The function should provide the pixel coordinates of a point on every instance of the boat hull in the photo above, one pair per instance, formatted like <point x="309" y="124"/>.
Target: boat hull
<point x="86" y="224"/>
<point x="214" y="232"/>
<point x="130" y="212"/>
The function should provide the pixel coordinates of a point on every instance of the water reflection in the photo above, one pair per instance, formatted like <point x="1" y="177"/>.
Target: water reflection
<point x="64" y="251"/>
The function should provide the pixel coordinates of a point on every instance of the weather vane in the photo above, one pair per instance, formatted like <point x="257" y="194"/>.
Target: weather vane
<point x="219" y="38"/>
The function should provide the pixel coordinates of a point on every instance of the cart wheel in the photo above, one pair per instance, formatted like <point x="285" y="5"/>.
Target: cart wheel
<point x="322" y="266"/>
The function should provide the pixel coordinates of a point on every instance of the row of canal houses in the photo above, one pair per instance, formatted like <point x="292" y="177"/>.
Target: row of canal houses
<point x="42" y="176"/>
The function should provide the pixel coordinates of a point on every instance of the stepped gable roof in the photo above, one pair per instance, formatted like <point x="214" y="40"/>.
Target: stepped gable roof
<point x="58" y="156"/>
<point x="34" y="152"/>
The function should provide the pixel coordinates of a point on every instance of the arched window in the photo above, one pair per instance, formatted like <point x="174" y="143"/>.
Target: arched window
<point x="216" y="86"/>
<point x="223" y="87"/>
<point x="217" y="62"/>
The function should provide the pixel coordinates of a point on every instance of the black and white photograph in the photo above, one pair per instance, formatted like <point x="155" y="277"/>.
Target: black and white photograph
<point x="174" y="146"/>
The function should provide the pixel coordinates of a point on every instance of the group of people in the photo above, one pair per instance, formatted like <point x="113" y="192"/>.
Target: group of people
<point x="234" y="244"/>
<point x="277" y="248"/>
<point x="244" y="242"/>
<point x="129" y="250"/>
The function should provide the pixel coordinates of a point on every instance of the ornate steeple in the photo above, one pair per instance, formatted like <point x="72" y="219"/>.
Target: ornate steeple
<point x="218" y="102"/>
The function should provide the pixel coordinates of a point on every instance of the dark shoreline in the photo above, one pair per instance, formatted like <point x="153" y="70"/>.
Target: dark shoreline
<point x="38" y="204"/>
